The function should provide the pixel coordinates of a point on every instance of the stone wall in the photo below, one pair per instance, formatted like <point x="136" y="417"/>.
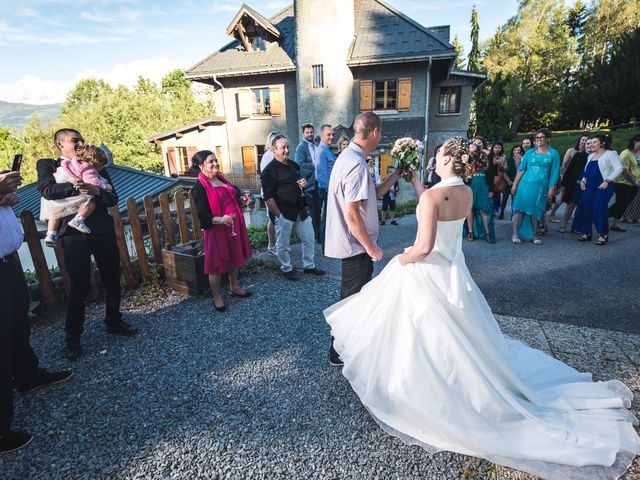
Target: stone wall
<point x="324" y="32"/>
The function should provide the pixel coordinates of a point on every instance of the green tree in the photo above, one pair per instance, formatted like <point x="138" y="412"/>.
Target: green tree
<point x="122" y="118"/>
<point x="533" y="52"/>
<point x="457" y="47"/>
<point x="473" y="63"/>
<point x="85" y="92"/>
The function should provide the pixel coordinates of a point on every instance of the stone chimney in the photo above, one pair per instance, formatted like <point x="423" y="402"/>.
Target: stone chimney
<point x="324" y="32"/>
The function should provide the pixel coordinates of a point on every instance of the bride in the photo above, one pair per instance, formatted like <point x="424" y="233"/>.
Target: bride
<point x="433" y="368"/>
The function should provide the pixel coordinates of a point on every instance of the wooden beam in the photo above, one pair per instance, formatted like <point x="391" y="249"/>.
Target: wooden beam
<point x="201" y="127"/>
<point x="157" y="142"/>
<point x="243" y="37"/>
<point x="179" y="134"/>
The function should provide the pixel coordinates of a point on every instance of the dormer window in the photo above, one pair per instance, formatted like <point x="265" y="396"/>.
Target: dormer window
<point x="257" y="44"/>
<point x="253" y="30"/>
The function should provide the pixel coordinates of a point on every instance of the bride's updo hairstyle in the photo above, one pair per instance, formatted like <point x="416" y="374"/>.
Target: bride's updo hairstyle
<point x="466" y="161"/>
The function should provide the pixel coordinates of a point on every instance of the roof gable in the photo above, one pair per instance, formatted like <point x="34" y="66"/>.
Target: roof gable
<point x="386" y="34"/>
<point x="233" y="60"/>
<point x="245" y="10"/>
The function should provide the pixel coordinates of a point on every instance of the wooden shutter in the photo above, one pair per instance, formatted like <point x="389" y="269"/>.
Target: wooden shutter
<point x="404" y="95"/>
<point x="249" y="159"/>
<point x="366" y="95"/>
<point x="171" y="159"/>
<point x="385" y="161"/>
<point x="276" y="104"/>
<point x="245" y="106"/>
<point x="219" y="157"/>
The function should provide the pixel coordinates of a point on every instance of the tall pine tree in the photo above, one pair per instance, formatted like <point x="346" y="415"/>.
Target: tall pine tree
<point x="474" y="55"/>
<point x="457" y="47"/>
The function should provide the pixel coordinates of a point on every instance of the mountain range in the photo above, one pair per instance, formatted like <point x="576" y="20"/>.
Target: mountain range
<point x="17" y="115"/>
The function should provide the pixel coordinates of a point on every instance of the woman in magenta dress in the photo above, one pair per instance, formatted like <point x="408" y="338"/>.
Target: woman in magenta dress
<point x="225" y="241"/>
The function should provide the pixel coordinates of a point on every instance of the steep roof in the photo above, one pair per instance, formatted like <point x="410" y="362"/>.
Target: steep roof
<point x="382" y="35"/>
<point x="128" y="182"/>
<point x="233" y="60"/>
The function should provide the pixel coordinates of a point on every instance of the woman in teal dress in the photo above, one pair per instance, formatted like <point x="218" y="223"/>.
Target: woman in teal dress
<point x="479" y="223"/>
<point x="534" y="185"/>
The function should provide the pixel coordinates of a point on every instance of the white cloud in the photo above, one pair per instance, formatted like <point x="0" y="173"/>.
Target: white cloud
<point x="36" y="91"/>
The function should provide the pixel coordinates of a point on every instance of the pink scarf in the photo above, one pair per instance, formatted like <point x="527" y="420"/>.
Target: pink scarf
<point x="212" y="196"/>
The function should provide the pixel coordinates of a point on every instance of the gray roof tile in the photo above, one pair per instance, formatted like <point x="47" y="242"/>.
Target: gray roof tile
<point x="382" y="34"/>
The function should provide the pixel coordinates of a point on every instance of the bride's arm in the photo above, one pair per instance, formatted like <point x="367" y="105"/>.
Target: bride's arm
<point x="427" y="227"/>
<point x="418" y="187"/>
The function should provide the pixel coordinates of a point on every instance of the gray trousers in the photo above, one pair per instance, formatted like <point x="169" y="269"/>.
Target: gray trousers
<point x="304" y="229"/>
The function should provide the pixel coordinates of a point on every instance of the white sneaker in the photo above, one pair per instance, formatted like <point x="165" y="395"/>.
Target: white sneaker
<point x="50" y="239"/>
<point x="79" y="225"/>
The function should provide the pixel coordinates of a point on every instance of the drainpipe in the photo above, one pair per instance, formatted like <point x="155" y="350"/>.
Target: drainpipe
<point x="426" y="118"/>
<point x="226" y="125"/>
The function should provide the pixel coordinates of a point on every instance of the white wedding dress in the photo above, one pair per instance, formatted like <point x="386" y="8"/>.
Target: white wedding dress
<point x="425" y="355"/>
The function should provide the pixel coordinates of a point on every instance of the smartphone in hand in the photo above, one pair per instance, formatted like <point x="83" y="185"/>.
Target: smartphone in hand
<point x="17" y="162"/>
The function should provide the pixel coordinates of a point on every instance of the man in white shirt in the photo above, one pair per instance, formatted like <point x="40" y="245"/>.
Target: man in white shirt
<point x="18" y="362"/>
<point x="352" y="210"/>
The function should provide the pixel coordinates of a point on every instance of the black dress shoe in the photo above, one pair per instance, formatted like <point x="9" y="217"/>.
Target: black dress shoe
<point x="241" y="295"/>
<point x="46" y="378"/>
<point x="334" y="358"/>
<point x="223" y="308"/>
<point x="122" y="328"/>
<point x="314" y="271"/>
<point x="72" y="349"/>
<point x="11" y="441"/>
<point x="291" y="275"/>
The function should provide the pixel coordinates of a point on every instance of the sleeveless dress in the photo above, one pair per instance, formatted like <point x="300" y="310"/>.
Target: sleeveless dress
<point x="481" y="203"/>
<point x="541" y="172"/>
<point x="426" y="357"/>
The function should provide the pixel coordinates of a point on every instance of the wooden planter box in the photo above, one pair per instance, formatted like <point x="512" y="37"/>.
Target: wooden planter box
<point x="184" y="268"/>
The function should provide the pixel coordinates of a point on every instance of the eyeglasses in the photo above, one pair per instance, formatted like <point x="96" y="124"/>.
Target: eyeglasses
<point x="280" y="136"/>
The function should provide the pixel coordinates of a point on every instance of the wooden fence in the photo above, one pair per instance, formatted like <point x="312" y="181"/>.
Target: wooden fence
<point x="160" y="233"/>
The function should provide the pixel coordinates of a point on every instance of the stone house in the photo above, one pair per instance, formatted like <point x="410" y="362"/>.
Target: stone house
<point x="324" y="61"/>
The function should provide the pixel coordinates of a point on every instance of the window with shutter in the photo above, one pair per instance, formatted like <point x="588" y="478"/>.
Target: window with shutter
<point x="366" y="95"/>
<point x="171" y="160"/>
<point x="276" y="103"/>
<point x="249" y="159"/>
<point x="245" y="103"/>
<point x="404" y="95"/>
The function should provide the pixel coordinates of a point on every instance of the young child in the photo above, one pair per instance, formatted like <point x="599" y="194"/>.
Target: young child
<point x="389" y="201"/>
<point x="81" y="169"/>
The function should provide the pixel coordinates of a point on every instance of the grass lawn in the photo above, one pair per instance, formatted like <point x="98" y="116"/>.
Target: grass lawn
<point x="563" y="140"/>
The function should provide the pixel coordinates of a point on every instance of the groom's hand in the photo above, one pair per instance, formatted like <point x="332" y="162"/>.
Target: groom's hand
<point x="375" y="253"/>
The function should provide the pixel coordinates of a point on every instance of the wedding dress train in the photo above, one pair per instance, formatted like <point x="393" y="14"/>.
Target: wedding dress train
<point x="426" y="356"/>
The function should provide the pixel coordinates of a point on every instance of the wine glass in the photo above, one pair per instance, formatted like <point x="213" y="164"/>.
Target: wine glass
<point x="233" y="230"/>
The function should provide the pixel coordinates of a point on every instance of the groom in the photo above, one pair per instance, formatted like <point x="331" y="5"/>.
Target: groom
<point x="352" y="210"/>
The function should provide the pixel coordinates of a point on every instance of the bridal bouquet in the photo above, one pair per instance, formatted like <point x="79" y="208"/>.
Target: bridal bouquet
<point x="406" y="155"/>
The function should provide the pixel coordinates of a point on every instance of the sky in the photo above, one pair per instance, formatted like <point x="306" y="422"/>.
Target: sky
<point x="46" y="46"/>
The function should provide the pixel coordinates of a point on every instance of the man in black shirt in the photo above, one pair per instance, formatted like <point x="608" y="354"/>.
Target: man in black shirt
<point x="79" y="247"/>
<point x="282" y="189"/>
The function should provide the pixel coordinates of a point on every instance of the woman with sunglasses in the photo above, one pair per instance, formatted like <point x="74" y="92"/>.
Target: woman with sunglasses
<point x="534" y="184"/>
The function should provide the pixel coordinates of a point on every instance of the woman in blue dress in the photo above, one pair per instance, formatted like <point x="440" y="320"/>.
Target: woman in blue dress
<point x="534" y="184"/>
<point x="479" y="223"/>
<point x="602" y="168"/>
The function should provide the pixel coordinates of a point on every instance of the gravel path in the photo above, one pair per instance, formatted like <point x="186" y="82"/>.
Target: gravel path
<point x="245" y="394"/>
